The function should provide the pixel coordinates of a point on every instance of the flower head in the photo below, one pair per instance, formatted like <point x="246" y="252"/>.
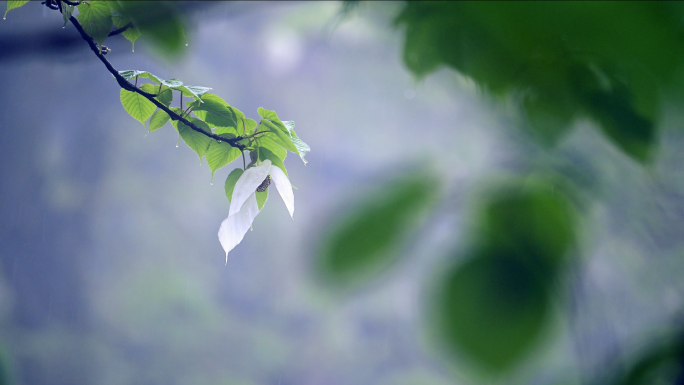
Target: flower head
<point x="243" y="205"/>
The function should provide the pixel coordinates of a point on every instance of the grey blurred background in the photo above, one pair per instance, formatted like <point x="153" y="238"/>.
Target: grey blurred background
<point x="111" y="271"/>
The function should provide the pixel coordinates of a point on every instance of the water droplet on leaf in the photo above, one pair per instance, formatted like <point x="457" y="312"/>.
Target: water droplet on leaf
<point x="176" y="146"/>
<point x="186" y="44"/>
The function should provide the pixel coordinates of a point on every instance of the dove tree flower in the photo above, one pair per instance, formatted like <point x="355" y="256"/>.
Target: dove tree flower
<point x="244" y="206"/>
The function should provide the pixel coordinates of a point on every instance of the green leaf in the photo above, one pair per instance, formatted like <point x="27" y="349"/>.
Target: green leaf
<point x="178" y="111"/>
<point x="192" y="91"/>
<point x="137" y="105"/>
<point x="262" y="197"/>
<point x="267" y="114"/>
<point x="96" y="19"/>
<point x="158" y="119"/>
<point x="265" y="153"/>
<point x="195" y="140"/>
<point x="367" y="241"/>
<point x="216" y="113"/>
<point x="245" y="125"/>
<point x="157" y="21"/>
<point x="120" y="20"/>
<point x="284" y="139"/>
<point x="492" y="309"/>
<point x="302" y="148"/>
<point x="13" y="4"/>
<point x="230" y="182"/>
<point x="130" y="74"/>
<point x="273" y="146"/>
<point x="67" y="10"/>
<point x="164" y="96"/>
<point x="220" y="154"/>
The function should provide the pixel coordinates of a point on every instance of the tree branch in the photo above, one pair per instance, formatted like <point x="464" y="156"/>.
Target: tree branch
<point x="120" y="30"/>
<point x="151" y="97"/>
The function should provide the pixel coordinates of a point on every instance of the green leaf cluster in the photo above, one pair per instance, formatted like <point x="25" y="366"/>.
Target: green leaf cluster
<point x="270" y="139"/>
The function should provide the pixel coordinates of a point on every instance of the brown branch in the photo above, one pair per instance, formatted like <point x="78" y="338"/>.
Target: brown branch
<point x="151" y="97"/>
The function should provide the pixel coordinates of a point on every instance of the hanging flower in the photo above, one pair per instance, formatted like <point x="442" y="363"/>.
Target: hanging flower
<point x="243" y="204"/>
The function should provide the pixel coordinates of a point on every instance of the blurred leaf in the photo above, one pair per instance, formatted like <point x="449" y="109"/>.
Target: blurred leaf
<point x="535" y="224"/>
<point x="265" y="153"/>
<point x="14" y="4"/>
<point x="230" y="182"/>
<point x="367" y="240"/>
<point x="662" y="364"/>
<point x="137" y="105"/>
<point x="566" y="59"/>
<point x="120" y="20"/>
<point x="492" y="309"/>
<point x="261" y="197"/>
<point x="66" y="9"/>
<point x="96" y="19"/>
<point x="195" y="140"/>
<point x="158" y="120"/>
<point x="220" y="154"/>
<point x="157" y="21"/>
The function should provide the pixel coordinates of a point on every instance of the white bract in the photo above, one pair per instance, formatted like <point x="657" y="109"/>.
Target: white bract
<point x="243" y="204"/>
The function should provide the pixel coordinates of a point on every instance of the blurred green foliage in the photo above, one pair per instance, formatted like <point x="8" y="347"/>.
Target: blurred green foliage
<point x="368" y="239"/>
<point x="608" y="61"/>
<point x="493" y="306"/>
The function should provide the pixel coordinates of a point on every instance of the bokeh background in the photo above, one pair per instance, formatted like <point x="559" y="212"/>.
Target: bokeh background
<point x="111" y="271"/>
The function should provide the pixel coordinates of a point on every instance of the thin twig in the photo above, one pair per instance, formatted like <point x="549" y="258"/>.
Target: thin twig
<point x="151" y="97"/>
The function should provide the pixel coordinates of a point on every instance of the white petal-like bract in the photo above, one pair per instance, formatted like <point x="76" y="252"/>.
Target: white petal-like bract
<point x="284" y="187"/>
<point x="234" y="227"/>
<point x="248" y="182"/>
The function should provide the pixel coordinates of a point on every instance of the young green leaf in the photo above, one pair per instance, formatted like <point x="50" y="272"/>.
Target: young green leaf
<point x="267" y="114"/>
<point x="195" y="140"/>
<point x="193" y="91"/>
<point x="220" y="154"/>
<point x="165" y="95"/>
<point x="271" y="143"/>
<point x="265" y="153"/>
<point x="158" y="119"/>
<point x="262" y="197"/>
<point x="13" y="5"/>
<point x="217" y="113"/>
<point x="230" y="182"/>
<point x="96" y="19"/>
<point x="66" y="10"/>
<point x="302" y="148"/>
<point x="284" y="138"/>
<point x="245" y="125"/>
<point x="137" y="105"/>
